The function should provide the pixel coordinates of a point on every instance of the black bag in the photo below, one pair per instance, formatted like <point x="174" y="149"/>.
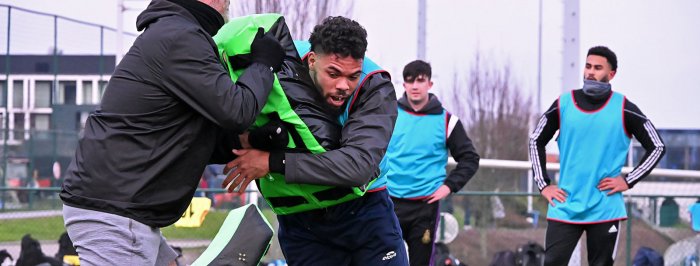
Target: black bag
<point x="503" y="258"/>
<point x="530" y="254"/>
<point x="5" y="255"/>
<point x="31" y="254"/>
<point x="647" y="257"/>
<point x="443" y="256"/>
<point x="65" y="247"/>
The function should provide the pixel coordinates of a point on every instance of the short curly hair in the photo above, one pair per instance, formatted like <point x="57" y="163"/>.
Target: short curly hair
<point x="339" y="35"/>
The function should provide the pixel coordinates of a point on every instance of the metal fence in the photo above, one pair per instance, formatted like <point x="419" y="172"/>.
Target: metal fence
<point x="24" y="31"/>
<point x="491" y="217"/>
<point x="510" y="212"/>
<point x="31" y="158"/>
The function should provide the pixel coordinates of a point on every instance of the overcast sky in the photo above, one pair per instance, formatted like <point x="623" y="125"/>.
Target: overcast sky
<point x="656" y="42"/>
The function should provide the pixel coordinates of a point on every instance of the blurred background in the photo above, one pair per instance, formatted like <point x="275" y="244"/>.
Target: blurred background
<point x="496" y="64"/>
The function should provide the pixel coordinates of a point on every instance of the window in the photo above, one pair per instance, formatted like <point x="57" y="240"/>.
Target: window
<point x="41" y="122"/>
<point x="82" y="119"/>
<point x="694" y="158"/>
<point x="675" y="157"/>
<point x="101" y="85"/>
<point x="42" y="94"/>
<point x="87" y="92"/>
<point x="19" y="127"/>
<point x="17" y="94"/>
<point x="3" y="92"/>
<point x="66" y="92"/>
<point x="16" y="170"/>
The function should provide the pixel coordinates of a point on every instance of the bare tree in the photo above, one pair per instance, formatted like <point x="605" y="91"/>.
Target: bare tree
<point x="301" y="15"/>
<point x="496" y="114"/>
<point x="258" y="6"/>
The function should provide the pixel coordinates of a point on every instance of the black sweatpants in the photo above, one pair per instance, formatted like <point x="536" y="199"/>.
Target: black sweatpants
<point x="561" y="240"/>
<point x="418" y="221"/>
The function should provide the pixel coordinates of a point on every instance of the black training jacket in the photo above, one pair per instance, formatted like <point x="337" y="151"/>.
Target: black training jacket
<point x="362" y="142"/>
<point x="169" y="106"/>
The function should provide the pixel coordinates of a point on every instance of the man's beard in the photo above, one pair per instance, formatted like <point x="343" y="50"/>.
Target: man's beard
<point x="603" y="79"/>
<point x="328" y="108"/>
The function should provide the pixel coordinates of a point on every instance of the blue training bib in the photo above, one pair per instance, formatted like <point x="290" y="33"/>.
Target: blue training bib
<point x="415" y="160"/>
<point x="592" y="145"/>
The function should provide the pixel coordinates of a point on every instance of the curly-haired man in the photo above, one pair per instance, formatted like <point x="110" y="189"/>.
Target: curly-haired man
<point x="361" y="231"/>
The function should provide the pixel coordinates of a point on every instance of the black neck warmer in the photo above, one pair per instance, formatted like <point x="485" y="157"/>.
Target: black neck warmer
<point x="210" y="20"/>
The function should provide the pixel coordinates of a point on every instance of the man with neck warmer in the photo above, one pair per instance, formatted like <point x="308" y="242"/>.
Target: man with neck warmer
<point x="595" y="127"/>
<point x="169" y="109"/>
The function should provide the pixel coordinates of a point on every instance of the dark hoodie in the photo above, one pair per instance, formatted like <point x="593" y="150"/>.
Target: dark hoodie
<point x="459" y="144"/>
<point x="162" y="119"/>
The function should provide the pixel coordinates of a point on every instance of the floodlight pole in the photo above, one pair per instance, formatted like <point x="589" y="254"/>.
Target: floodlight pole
<point x="422" y="10"/>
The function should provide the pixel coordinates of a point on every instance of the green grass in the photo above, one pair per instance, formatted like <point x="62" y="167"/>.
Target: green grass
<point x="208" y="230"/>
<point x="47" y="228"/>
<point x="209" y="227"/>
<point x="50" y="228"/>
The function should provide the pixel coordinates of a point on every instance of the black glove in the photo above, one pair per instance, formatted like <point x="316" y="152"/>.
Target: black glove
<point x="271" y="136"/>
<point x="266" y="50"/>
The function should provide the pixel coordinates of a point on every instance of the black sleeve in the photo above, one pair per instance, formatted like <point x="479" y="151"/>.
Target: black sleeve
<point x="547" y="126"/>
<point x="195" y="75"/>
<point x="465" y="155"/>
<point x="363" y="141"/>
<point x="270" y="136"/>
<point x="644" y="131"/>
<point x="225" y="143"/>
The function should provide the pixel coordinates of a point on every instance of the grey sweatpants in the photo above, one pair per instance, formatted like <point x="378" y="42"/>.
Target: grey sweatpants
<point x="102" y="238"/>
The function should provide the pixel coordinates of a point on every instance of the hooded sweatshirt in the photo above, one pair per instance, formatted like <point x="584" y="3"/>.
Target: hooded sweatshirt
<point x="169" y="109"/>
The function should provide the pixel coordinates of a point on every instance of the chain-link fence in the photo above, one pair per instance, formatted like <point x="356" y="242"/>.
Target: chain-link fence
<point x="488" y="221"/>
<point x="34" y="160"/>
<point x="498" y="211"/>
<point x="24" y="32"/>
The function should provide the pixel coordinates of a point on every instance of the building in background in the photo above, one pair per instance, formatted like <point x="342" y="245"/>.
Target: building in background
<point x="682" y="150"/>
<point x="44" y="102"/>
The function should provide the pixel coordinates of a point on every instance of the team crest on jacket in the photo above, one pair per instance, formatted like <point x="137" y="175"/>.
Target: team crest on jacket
<point x="426" y="237"/>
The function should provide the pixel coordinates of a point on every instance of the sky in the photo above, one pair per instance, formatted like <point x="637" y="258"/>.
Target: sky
<point x="656" y="42"/>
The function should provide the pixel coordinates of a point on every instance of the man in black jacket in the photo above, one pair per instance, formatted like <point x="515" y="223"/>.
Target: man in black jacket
<point x="169" y="109"/>
<point x="362" y="231"/>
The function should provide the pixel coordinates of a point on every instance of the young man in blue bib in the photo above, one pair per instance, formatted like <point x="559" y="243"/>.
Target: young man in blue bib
<point x="595" y="127"/>
<point x="415" y="161"/>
